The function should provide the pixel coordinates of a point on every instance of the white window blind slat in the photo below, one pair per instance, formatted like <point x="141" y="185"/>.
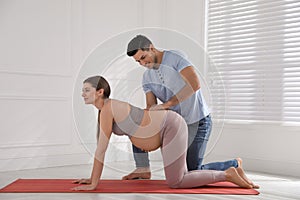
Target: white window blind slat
<point x="259" y="6"/>
<point x="255" y="48"/>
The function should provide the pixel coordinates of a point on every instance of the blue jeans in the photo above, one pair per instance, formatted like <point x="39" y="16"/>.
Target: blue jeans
<point x="141" y="157"/>
<point x="199" y="133"/>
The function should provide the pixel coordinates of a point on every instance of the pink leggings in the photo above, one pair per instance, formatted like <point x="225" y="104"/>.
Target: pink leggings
<point x="174" y="135"/>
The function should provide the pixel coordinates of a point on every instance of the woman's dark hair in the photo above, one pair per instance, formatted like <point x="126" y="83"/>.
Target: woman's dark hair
<point x="98" y="82"/>
<point x="139" y="42"/>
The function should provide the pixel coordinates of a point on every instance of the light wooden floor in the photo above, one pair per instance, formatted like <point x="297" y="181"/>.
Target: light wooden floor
<point x="272" y="187"/>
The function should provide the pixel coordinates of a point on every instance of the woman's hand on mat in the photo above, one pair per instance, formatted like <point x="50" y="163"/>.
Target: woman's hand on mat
<point x="85" y="187"/>
<point x="83" y="181"/>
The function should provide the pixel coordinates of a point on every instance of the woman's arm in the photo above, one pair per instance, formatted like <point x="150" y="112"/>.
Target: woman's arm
<point x="106" y="121"/>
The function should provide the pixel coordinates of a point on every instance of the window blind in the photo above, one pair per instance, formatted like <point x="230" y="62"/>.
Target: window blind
<point x="255" y="48"/>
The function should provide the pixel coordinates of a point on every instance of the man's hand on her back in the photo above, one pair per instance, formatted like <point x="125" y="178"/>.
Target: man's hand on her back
<point x="159" y="107"/>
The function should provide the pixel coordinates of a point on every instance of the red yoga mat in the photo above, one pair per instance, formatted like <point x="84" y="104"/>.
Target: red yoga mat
<point x="120" y="186"/>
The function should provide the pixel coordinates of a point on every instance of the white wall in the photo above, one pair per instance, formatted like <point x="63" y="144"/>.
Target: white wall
<point x="43" y="43"/>
<point x="36" y="69"/>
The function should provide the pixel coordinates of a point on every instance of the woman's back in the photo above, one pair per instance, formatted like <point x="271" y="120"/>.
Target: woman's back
<point x="142" y="126"/>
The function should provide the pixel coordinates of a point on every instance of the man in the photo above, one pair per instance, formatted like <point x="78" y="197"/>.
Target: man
<point x="171" y="78"/>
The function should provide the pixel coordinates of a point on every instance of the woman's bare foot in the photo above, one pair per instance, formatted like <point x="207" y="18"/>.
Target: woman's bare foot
<point x="138" y="173"/>
<point x="242" y="174"/>
<point x="232" y="175"/>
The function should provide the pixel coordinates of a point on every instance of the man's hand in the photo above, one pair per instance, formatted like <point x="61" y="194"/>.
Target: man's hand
<point x="163" y="106"/>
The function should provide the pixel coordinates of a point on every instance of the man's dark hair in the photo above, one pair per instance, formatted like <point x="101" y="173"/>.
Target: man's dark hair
<point x="140" y="42"/>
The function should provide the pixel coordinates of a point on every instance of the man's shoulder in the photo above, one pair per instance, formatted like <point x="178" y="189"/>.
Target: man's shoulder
<point x="176" y="53"/>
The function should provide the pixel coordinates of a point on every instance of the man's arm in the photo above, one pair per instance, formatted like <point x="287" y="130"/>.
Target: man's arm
<point x="192" y="84"/>
<point x="150" y="100"/>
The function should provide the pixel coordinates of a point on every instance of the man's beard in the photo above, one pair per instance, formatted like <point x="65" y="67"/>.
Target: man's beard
<point x="155" y="64"/>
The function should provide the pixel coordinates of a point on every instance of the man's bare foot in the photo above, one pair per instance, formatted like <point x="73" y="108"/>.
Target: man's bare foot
<point x="239" y="161"/>
<point x="242" y="174"/>
<point x="232" y="175"/>
<point x="138" y="173"/>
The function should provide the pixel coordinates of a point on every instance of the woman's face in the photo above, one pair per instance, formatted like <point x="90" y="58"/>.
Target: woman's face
<point x="88" y="93"/>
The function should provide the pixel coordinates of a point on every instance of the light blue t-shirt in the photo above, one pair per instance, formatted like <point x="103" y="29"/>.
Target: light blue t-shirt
<point x="166" y="81"/>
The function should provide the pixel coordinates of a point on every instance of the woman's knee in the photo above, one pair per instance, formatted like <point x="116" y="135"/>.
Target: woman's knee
<point x="174" y="182"/>
<point x="173" y="185"/>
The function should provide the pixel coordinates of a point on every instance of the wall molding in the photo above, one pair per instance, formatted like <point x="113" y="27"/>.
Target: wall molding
<point x="34" y="73"/>
<point x="44" y="161"/>
<point x="40" y="134"/>
<point x="26" y="145"/>
<point x="30" y="97"/>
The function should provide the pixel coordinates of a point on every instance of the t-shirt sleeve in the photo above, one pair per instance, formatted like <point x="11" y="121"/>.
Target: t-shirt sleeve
<point x="179" y="60"/>
<point x="183" y="63"/>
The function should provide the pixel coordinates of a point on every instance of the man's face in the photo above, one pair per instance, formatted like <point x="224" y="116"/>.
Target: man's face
<point x="147" y="59"/>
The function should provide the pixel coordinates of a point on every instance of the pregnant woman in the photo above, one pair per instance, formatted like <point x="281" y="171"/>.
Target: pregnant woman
<point x="148" y="130"/>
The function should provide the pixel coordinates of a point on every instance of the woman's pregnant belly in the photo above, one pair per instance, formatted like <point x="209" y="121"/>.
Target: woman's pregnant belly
<point x="150" y="143"/>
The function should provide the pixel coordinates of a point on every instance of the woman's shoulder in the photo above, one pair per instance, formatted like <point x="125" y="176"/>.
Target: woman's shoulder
<point x="112" y="104"/>
<point x="116" y="102"/>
